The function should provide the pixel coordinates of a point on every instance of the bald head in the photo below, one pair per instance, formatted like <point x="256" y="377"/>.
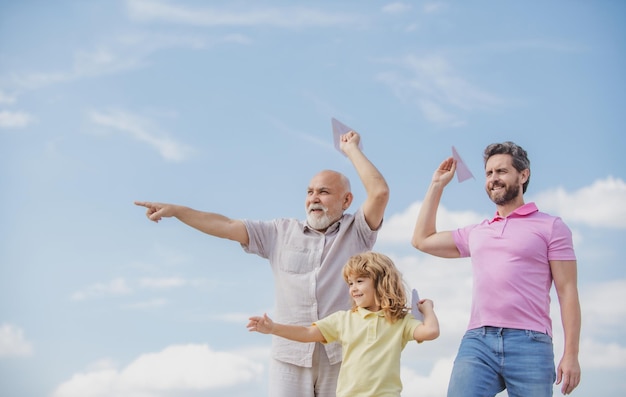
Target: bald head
<point x="332" y="178"/>
<point x="328" y="196"/>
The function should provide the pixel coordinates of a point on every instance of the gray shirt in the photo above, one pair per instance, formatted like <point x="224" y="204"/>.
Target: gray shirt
<point x="307" y="267"/>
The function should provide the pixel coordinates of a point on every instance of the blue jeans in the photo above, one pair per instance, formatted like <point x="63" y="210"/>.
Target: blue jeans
<point x="493" y="359"/>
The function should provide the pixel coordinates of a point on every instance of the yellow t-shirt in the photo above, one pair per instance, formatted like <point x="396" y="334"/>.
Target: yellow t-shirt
<point x="371" y="351"/>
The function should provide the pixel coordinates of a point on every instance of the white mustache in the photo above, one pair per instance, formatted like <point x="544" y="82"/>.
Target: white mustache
<point x="317" y="207"/>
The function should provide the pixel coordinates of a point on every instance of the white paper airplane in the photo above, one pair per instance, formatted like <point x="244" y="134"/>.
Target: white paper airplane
<point x="414" y="311"/>
<point x="462" y="172"/>
<point x="338" y="130"/>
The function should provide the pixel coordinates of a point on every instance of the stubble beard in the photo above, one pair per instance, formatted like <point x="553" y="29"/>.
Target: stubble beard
<point x="510" y="194"/>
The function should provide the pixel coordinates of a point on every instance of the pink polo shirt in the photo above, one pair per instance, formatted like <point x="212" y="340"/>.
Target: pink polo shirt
<point x="511" y="265"/>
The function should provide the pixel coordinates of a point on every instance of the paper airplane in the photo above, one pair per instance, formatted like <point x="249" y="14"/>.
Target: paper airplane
<point x="415" y="298"/>
<point x="338" y="130"/>
<point x="462" y="172"/>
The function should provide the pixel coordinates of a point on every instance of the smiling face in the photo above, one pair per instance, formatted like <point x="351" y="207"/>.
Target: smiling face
<point x="503" y="182"/>
<point x="328" y="196"/>
<point x="363" y="292"/>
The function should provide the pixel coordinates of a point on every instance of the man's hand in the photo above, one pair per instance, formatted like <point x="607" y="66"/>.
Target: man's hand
<point x="157" y="211"/>
<point x="445" y="172"/>
<point x="349" y="139"/>
<point x="568" y="373"/>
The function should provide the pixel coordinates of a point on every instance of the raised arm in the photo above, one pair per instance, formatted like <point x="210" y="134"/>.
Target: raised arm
<point x="298" y="333"/>
<point x="425" y="235"/>
<point x="373" y="181"/>
<point x="429" y="329"/>
<point x="565" y="283"/>
<point x="210" y="223"/>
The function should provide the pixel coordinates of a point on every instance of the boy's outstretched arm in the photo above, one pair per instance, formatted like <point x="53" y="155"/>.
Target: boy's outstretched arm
<point x="298" y="333"/>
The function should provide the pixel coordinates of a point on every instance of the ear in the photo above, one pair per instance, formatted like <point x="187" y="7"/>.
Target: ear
<point x="525" y="175"/>
<point x="347" y="200"/>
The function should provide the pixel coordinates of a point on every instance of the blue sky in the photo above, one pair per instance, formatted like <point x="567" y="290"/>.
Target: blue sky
<point x="226" y="106"/>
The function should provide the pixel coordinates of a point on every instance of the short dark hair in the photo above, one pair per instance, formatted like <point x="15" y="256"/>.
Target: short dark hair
<point x="519" y="155"/>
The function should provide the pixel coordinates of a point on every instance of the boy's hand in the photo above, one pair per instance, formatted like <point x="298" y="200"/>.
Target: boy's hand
<point x="264" y="324"/>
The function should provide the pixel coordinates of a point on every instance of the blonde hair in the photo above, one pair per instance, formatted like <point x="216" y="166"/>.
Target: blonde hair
<point x="388" y="283"/>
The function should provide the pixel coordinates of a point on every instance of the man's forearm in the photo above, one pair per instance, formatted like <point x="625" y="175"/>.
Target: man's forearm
<point x="426" y="223"/>
<point x="373" y="181"/>
<point x="213" y="224"/>
<point x="571" y="320"/>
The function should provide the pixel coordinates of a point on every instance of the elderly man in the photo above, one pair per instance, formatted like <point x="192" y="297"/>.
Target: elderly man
<point x="306" y="258"/>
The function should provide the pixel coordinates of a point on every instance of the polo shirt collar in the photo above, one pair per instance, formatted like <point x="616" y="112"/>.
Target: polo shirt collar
<point x="524" y="210"/>
<point x="364" y="312"/>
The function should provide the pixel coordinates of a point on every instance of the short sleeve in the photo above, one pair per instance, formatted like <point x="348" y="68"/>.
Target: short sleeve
<point x="329" y="326"/>
<point x="561" y="246"/>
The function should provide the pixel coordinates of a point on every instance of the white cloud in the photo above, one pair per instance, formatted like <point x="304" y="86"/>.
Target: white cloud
<point x="396" y="8"/>
<point x="85" y="64"/>
<point x="436" y="113"/>
<point x="599" y="355"/>
<point x="163" y="283"/>
<point x="293" y="17"/>
<point x="603" y="306"/>
<point x="142" y="130"/>
<point x="297" y="132"/>
<point x="603" y="319"/>
<point x="437" y="90"/>
<point x="433" y="385"/>
<point x="435" y="77"/>
<point x="10" y="119"/>
<point x="149" y="304"/>
<point x="432" y="7"/>
<point x="175" y="369"/>
<point x="448" y="282"/>
<point x="120" y="286"/>
<point x="7" y="99"/>
<point x="115" y="287"/>
<point x="234" y="318"/>
<point x="13" y="343"/>
<point x="398" y="228"/>
<point x="100" y="61"/>
<point x="598" y="205"/>
<point x="120" y="54"/>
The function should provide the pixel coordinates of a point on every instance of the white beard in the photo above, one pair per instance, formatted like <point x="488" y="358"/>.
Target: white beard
<point x="318" y="222"/>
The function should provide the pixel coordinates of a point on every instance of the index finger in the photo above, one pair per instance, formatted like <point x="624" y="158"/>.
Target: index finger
<point x="143" y="203"/>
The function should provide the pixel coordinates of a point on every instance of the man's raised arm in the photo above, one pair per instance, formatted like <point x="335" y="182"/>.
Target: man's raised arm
<point x="425" y="235"/>
<point x="373" y="181"/>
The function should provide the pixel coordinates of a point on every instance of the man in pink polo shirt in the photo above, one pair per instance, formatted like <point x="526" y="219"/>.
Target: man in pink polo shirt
<point x="515" y="257"/>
